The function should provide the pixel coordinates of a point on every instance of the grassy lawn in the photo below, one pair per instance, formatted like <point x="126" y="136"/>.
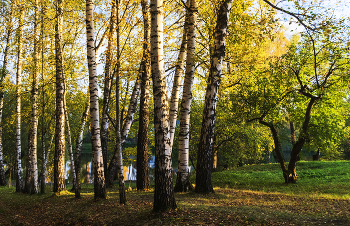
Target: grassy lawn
<point x="250" y="195"/>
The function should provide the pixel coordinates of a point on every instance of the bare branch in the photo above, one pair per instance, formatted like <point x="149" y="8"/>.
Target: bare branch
<point x="112" y="121"/>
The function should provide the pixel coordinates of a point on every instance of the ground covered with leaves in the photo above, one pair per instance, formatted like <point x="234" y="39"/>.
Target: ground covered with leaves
<point x="285" y="205"/>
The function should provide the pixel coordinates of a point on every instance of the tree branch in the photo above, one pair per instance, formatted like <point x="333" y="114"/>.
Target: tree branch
<point x="295" y="15"/>
<point x="112" y="121"/>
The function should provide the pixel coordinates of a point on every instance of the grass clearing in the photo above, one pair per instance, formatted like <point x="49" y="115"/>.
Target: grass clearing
<point x="250" y="195"/>
<point x="315" y="179"/>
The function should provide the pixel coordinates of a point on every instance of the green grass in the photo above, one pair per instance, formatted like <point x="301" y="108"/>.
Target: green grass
<point x="321" y="179"/>
<point x="249" y="195"/>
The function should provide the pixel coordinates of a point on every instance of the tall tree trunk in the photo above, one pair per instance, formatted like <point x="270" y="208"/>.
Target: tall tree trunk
<point x="59" y="178"/>
<point x="142" y="178"/>
<point x="174" y="100"/>
<point x="183" y="182"/>
<point x="203" y="174"/>
<point x="278" y="149"/>
<point x="122" y="195"/>
<point x="99" y="180"/>
<point x="31" y="185"/>
<point x="79" y="142"/>
<point x="43" y="130"/>
<point x="29" y="165"/>
<point x="19" y="179"/>
<point x="70" y="149"/>
<point x="3" y="74"/>
<point x="107" y="88"/>
<point x="292" y="132"/>
<point x="298" y="145"/>
<point x="164" y="192"/>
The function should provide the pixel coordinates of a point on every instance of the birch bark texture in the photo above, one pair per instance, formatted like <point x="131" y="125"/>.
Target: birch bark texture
<point x="31" y="185"/>
<point x="204" y="154"/>
<point x="142" y="178"/>
<point x="19" y="178"/>
<point x="99" y="179"/>
<point x="107" y="88"/>
<point x="179" y="69"/>
<point x="164" y="192"/>
<point x="60" y="147"/>
<point x="183" y="177"/>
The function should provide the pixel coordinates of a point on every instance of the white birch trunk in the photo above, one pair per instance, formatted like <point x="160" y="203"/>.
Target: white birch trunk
<point x="131" y="111"/>
<point x="31" y="186"/>
<point x="204" y="156"/>
<point x="183" y="181"/>
<point x="19" y="179"/>
<point x="99" y="180"/>
<point x="174" y="100"/>
<point x="164" y="192"/>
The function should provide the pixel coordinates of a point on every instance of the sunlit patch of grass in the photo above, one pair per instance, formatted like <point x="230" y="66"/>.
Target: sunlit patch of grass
<point x="323" y="179"/>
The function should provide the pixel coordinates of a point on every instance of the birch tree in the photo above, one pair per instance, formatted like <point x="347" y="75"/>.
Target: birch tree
<point x="19" y="179"/>
<point x="183" y="177"/>
<point x="163" y="193"/>
<point x="204" y="155"/>
<point x="31" y="182"/>
<point x="59" y="178"/>
<point x="99" y="180"/>
<point x="179" y="68"/>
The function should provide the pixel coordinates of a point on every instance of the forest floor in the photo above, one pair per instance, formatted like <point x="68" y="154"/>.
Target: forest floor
<point x="249" y="195"/>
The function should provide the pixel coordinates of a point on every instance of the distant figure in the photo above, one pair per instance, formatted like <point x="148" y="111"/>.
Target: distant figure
<point x="317" y="156"/>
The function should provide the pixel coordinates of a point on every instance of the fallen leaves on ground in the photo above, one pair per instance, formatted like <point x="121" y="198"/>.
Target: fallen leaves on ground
<point x="224" y="207"/>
